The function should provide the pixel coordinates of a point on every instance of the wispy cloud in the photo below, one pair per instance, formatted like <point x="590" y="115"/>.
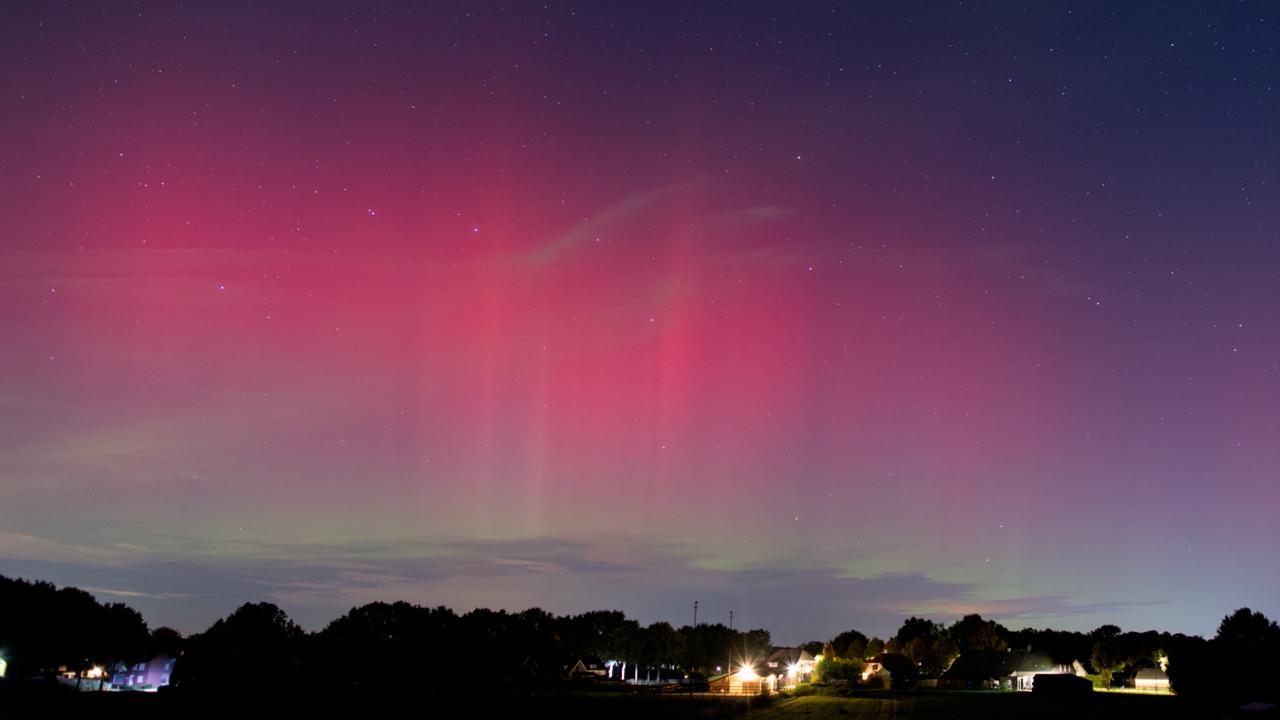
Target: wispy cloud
<point x="30" y="547"/>
<point x="134" y="594"/>
<point x="317" y="583"/>
<point x="655" y="202"/>
<point x="606" y="219"/>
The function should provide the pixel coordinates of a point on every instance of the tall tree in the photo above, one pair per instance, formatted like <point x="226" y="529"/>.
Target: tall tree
<point x="972" y="634"/>
<point x="258" y="642"/>
<point x="850" y="644"/>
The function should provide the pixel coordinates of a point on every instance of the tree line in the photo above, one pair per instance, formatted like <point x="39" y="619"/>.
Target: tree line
<point x="382" y="646"/>
<point x="44" y="628"/>
<point x="1241" y="661"/>
<point x="375" y="646"/>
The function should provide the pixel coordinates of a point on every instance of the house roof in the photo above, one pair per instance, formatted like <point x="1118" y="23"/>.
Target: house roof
<point x="897" y="664"/>
<point x="988" y="664"/>
<point x="977" y="666"/>
<point x="789" y="655"/>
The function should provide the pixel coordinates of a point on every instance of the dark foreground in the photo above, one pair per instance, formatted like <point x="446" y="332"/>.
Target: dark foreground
<point x="569" y="706"/>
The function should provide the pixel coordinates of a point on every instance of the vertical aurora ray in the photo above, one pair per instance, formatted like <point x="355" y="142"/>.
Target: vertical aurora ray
<point x="453" y="305"/>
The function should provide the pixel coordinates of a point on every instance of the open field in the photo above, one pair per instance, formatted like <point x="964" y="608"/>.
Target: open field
<point x="835" y="708"/>
<point x="922" y="705"/>
<point x="959" y="705"/>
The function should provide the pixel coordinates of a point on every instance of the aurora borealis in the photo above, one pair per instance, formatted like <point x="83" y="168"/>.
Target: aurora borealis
<point x="826" y="315"/>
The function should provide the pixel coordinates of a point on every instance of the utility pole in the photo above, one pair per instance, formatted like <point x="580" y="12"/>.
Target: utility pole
<point x="692" y="637"/>
<point x="729" y="666"/>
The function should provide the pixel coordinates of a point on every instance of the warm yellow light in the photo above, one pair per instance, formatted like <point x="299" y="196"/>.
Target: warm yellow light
<point x="3" y="667"/>
<point x="747" y="673"/>
<point x="793" y="669"/>
<point x="817" y="658"/>
<point x="94" y="673"/>
<point x="1164" y="663"/>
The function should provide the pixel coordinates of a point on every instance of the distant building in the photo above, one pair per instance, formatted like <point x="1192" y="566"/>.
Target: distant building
<point x="1151" y="679"/>
<point x="1006" y="669"/>
<point x="892" y="669"/>
<point x="588" y="667"/>
<point x="745" y="682"/>
<point x="146" y="676"/>
<point x="789" y="666"/>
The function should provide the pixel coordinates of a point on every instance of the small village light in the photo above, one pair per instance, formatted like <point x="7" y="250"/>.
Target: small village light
<point x="3" y="666"/>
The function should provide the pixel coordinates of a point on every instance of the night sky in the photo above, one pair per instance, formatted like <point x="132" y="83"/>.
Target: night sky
<point x="827" y="315"/>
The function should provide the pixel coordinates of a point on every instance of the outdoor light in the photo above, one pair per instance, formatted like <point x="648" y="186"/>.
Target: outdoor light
<point x="3" y="666"/>
<point x="793" y="669"/>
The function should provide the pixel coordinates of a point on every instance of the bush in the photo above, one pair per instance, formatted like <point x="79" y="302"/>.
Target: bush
<point x="837" y="669"/>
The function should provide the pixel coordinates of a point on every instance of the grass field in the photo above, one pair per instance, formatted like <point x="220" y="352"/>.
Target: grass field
<point x="833" y="708"/>
<point x="982" y="706"/>
<point x="919" y="705"/>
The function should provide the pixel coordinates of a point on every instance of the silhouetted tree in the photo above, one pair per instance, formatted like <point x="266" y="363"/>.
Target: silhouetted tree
<point x="850" y="644"/>
<point x="1247" y="643"/>
<point x="663" y="645"/>
<point x="973" y="634"/>
<point x="1105" y="656"/>
<point x="255" y="648"/>
<point x="165" y="641"/>
<point x="926" y="644"/>
<point x="875" y="646"/>
<point x="1062" y="646"/>
<point x="43" y="627"/>
<point x="397" y="635"/>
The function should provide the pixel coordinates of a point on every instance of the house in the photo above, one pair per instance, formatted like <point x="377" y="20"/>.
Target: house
<point x="148" y="676"/>
<point x="559" y="667"/>
<point x="1024" y="665"/>
<point x="893" y="670"/>
<point x="588" y="668"/>
<point x="1007" y="669"/>
<point x="1151" y="680"/>
<point x="790" y="666"/>
<point x="745" y="682"/>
